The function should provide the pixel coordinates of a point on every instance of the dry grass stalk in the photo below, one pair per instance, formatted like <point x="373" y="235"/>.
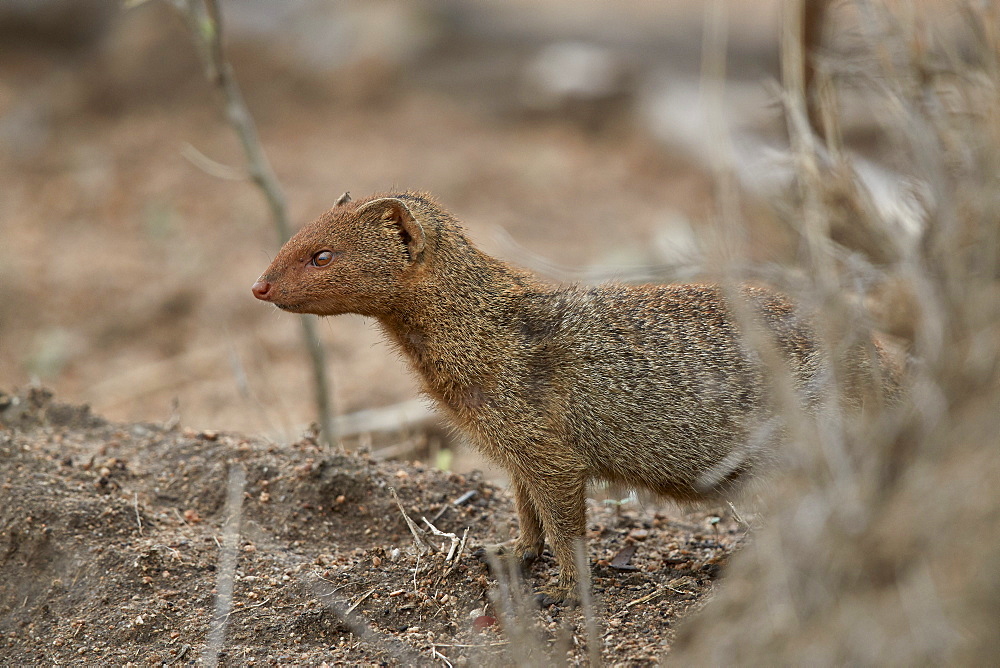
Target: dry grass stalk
<point x="229" y="553"/>
<point x="881" y="545"/>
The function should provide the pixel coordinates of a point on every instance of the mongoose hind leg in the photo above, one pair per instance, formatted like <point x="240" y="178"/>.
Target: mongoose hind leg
<point x="522" y="552"/>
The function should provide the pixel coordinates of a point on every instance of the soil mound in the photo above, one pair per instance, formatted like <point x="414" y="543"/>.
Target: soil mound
<point x="113" y="541"/>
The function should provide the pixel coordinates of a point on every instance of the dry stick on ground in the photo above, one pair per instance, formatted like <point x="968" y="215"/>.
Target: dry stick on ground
<point x="455" y="540"/>
<point x="423" y="545"/>
<point x="412" y="414"/>
<point x="204" y="20"/>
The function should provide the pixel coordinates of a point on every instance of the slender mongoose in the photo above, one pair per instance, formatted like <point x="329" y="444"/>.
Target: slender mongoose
<point x="644" y="386"/>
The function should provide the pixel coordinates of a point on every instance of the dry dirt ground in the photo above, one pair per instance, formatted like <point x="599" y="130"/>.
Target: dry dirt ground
<point x="113" y="537"/>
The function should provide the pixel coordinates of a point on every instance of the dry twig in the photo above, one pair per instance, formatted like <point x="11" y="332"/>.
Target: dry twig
<point x="455" y="540"/>
<point x="361" y="599"/>
<point x="205" y="23"/>
<point x="418" y="537"/>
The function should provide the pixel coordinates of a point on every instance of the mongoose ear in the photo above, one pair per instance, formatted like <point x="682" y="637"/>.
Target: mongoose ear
<point x="343" y="199"/>
<point x="394" y="213"/>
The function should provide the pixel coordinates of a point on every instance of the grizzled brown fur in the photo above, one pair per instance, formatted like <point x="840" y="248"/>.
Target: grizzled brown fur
<point x="647" y="386"/>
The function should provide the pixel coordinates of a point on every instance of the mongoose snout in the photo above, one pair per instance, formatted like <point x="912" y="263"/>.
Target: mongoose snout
<point x="261" y="290"/>
<point x="647" y="386"/>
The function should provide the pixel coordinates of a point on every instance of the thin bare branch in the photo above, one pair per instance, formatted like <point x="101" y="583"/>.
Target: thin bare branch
<point x="204" y="20"/>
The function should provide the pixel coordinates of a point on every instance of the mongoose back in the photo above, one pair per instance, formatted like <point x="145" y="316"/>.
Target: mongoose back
<point x="644" y="386"/>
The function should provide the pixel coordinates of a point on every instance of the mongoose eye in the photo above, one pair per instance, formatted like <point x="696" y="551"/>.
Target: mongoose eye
<point x="322" y="258"/>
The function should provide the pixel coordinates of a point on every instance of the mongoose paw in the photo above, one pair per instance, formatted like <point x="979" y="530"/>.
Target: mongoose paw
<point x="557" y="595"/>
<point x="526" y="556"/>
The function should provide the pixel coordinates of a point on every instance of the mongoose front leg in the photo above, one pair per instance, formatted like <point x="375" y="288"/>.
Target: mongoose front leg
<point x="561" y="501"/>
<point x="530" y="539"/>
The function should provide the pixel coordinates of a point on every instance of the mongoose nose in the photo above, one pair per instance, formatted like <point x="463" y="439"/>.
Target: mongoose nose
<point x="261" y="290"/>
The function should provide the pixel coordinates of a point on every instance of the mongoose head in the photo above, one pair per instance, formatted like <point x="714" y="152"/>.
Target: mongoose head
<point x="355" y="258"/>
